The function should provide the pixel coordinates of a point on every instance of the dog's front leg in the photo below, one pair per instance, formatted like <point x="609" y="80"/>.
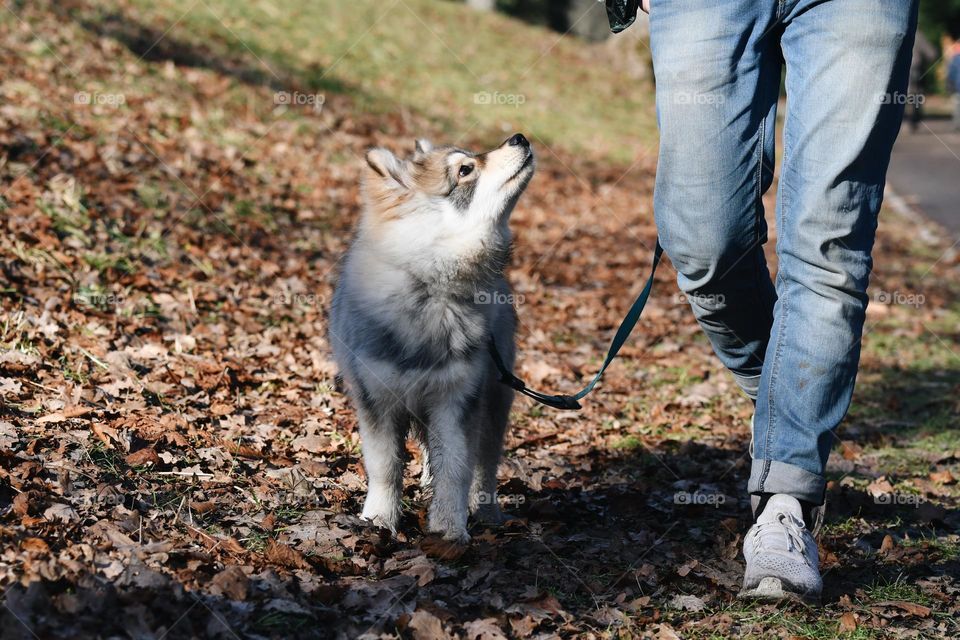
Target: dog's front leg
<point x="451" y="468"/>
<point x="382" y="435"/>
<point x="490" y="426"/>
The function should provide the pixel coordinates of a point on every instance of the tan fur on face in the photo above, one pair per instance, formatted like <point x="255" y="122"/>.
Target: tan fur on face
<point x="435" y="173"/>
<point x="385" y="201"/>
<point x="432" y="172"/>
<point x="460" y="187"/>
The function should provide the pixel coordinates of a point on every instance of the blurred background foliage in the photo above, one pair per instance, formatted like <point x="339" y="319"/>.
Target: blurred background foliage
<point x="939" y="18"/>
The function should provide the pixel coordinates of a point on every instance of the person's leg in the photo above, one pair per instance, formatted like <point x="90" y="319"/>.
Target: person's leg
<point x="915" y="110"/>
<point x="718" y="77"/>
<point x="845" y="59"/>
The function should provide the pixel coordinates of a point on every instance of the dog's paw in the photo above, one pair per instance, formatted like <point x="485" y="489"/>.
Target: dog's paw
<point x="450" y="532"/>
<point x="389" y="519"/>
<point x="382" y="523"/>
<point x="455" y="536"/>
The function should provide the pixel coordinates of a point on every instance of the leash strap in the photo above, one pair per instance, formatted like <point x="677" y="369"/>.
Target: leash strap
<point x="572" y="403"/>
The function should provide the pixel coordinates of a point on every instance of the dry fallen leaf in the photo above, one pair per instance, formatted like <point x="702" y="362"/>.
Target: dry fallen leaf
<point x="523" y="626"/>
<point x="284" y="555"/>
<point x="63" y="415"/>
<point x="443" y="550"/>
<point x="687" y="567"/>
<point x="485" y="629"/>
<point x="888" y="544"/>
<point x="848" y="622"/>
<point x="880" y="487"/>
<point x="686" y="602"/>
<point x="106" y="435"/>
<point x="850" y="450"/>
<point x="25" y="503"/>
<point x="60" y="512"/>
<point x="911" y="608"/>
<point x="943" y="477"/>
<point x="423" y="625"/>
<point x="232" y="582"/>
<point x="35" y="545"/>
<point x="201" y="507"/>
<point x="666" y="632"/>
<point x="231" y="545"/>
<point x="143" y="457"/>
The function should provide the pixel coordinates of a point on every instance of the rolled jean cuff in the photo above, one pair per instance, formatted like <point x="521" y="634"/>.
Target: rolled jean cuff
<point x="749" y="384"/>
<point x="773" y="476"/>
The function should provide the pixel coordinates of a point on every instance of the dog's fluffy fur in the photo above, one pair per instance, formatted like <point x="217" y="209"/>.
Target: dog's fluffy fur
<point x="421" y="293"/>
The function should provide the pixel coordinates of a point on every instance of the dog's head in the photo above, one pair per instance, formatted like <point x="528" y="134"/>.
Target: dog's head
<point x="444" y="196"/>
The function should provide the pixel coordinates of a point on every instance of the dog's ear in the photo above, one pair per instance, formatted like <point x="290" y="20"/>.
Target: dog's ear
<point x="386" y="165"/>
<point x="422" y="147"/>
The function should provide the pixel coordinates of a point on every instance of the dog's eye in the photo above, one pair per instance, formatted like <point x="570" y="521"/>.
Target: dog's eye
<point x="465" y="170"/>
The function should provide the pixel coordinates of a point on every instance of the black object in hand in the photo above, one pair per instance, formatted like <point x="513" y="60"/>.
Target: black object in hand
<point x="621" y="13"/>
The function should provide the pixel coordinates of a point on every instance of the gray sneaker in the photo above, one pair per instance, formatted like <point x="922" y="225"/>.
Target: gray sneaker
<point x="781" y="554"/>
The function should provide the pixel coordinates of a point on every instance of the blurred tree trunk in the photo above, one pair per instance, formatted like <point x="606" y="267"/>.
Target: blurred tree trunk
<point x="587" y="19"/>
<point x="482" y="5"/>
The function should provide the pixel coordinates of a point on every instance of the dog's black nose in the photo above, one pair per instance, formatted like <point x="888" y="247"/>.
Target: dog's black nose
<point x="518" y="140"/>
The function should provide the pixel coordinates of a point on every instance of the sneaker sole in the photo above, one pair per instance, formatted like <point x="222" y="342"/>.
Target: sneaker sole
<point x="771" y="590"/>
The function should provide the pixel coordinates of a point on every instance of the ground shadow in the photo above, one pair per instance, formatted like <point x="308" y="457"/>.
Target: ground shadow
<point x="264" y="68"/>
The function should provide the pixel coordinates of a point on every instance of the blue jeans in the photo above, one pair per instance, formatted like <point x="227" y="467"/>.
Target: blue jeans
<point x="793" y="346"/>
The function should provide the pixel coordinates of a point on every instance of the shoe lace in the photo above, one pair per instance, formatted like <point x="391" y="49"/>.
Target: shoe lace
<point x="785" y="525"/>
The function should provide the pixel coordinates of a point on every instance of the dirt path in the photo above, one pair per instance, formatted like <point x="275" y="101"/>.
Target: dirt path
<point x="925" y="171"/>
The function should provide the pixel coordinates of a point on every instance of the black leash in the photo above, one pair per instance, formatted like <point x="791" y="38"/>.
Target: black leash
<point x="572" y="403"/>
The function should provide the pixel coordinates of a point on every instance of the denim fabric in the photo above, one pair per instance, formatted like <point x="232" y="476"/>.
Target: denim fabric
<point x="793" y="345"/>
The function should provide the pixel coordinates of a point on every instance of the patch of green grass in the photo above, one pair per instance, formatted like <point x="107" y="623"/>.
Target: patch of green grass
<point x="248" y="211"/>
<point x="68" y="223"/>
<point x="847" y="527"/>
<point x="947" y="548"/>
<point x="626" y="443"/>
<point x="103" y="262"/>
<point x="477" y="74"/>
<point x="205" y="266"/>
<point x="256" y="541"/>
<point x="55" y="122"/>
<point x="108" y="460"/>
<point x="15" y="334"/>
<point x="678" y="376"/>
<point x="536" y="411"/>
<point x="170" y="498"/>
<point x="897" y="589"/>
<point x="289" y="513"/>
<point x="790" y="623"/>
<point x="943" y="433"/>
<point x="825" y="630"/>
<point x="152" y="196"/>
<point x="282" y="622"/>
<point x="73" y="371"/>
<point x="914" y="449"/>
<point x="96" y="297"/>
